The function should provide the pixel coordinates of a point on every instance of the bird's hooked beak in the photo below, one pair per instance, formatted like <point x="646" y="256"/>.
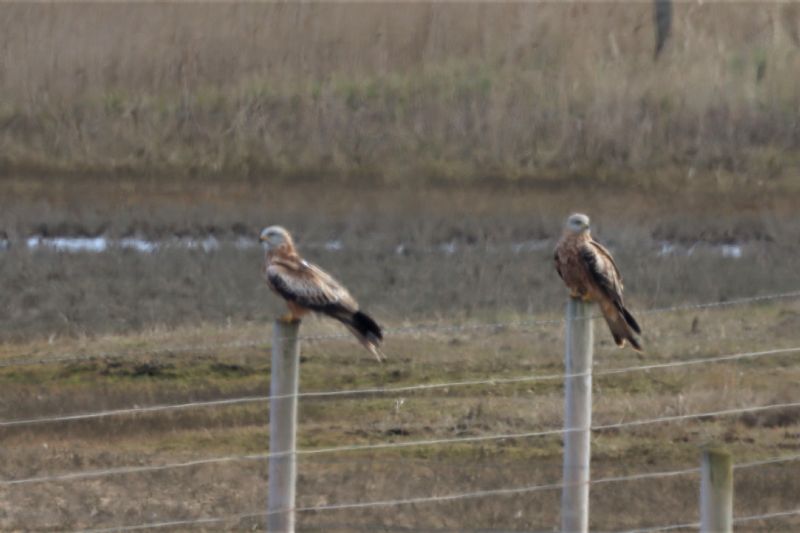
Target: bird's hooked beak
<point x="274" y="238"/>
<point x="263" y="239"/>
<point x="578" y="223"/>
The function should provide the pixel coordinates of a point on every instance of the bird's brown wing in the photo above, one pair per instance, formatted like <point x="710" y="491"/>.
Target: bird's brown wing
<point x="309" y="286"/>
<point x="557" y="264"/>
<point x="602" y="270"/>
<point x="604" y="274"/>
<point x="312" y="288"/>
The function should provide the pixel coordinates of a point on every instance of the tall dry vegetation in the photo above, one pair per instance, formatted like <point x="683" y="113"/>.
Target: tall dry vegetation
<point x="393" y="91"/>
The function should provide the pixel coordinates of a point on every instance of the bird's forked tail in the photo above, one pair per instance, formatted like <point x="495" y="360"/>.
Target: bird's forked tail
<point x="622" y="325"/>
<point x="367" y="331"/>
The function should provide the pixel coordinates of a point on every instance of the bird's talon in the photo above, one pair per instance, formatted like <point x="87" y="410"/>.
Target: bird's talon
<point x="289" y="318"/>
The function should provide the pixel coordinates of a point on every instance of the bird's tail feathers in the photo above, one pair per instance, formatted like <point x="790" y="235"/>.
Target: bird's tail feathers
<point x="622" y="326"/>
<point x="364" y="323"/>
<point x="367" y="331"/>
<point x="629" y="319"/>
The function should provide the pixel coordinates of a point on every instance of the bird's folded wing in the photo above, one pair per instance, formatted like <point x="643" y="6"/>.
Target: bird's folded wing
<point x="602" y="270"/>
<point x="557" y="263"/>
<point x="309" y="287"/>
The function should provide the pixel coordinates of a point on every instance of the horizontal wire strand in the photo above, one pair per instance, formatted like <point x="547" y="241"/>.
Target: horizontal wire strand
<point x="467" y="495"/>
<point x="736" y="520"/>
<point x="490" y="381"/>
<point x="422" y="328"/>
<point x="543" y="433"/>
<point x="671" y="527"/>
<point x="394" y="390"/>
<point x="71" y="358"/>
<point x="766" y="516"/>
<point x="387" y="445"/>
<point x="739" y="466"/>
<point x="404" y="501"/>
<point x="419" y="328"/>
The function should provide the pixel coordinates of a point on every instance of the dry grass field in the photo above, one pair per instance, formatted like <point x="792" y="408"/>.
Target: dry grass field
<point x="397" y="92"/>
<point x="153" y="369"/>
<point x="427" y="156"/>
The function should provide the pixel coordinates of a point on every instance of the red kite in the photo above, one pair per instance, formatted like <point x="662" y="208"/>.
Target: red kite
<point x="589" y="272"/>
<point x="306" y="288"/>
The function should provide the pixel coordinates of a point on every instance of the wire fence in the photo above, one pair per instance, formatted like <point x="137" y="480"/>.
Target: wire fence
<point x="25" y="360"/>
<point x="351" y="393"/>
<point x="736" y="520"/>
<point x="475" y="495"/>
<point x="407" y="389"/>
<point x="392" y="445"/>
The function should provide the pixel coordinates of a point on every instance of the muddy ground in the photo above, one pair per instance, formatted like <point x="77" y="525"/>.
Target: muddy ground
<point x="442" y="252"/>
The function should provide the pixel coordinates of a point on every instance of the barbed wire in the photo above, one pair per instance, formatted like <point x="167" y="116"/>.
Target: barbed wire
<point x="393" y="390"/>
<point x="399" y="331"/>
<point x="390" y="445"/>
<point x="463" y="496"/>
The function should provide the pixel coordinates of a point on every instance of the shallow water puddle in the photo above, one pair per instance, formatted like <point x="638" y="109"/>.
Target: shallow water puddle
<point x="210" y="243"/>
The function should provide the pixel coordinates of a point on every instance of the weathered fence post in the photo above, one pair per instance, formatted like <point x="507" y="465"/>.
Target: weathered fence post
<point x="282" y="426"/>
<point x="716" y="491"/>
<point x="577" y="415"/>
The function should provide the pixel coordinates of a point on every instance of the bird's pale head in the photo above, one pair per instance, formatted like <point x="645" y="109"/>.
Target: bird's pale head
<point x="275" y="237"/>
<point x="578" y="223"/>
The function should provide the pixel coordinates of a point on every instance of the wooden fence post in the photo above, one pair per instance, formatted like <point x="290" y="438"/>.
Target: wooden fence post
<point x="578" y="416"/>
<point x="716" y="491"/>
<point x="282" y="426"/>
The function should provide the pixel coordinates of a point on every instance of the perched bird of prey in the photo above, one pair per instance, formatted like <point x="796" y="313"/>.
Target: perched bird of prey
<point x="306" y="288"/>
<point x="589" y="272"/>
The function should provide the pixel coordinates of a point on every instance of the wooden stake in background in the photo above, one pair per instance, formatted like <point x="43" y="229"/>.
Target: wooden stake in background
<point x="716" y="491"/>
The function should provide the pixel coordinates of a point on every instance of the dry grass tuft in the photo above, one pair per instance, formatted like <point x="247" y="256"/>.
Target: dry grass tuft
<point x="400" y="92"/>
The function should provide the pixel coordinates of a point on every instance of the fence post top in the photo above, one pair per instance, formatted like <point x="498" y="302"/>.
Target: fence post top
<point x="715" y="450"/>
<point x="286" y="328"/>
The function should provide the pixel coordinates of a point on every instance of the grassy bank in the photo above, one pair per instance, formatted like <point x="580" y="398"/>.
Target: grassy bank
<point x="391" y="92"/>
<point x="150" y="369"/>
